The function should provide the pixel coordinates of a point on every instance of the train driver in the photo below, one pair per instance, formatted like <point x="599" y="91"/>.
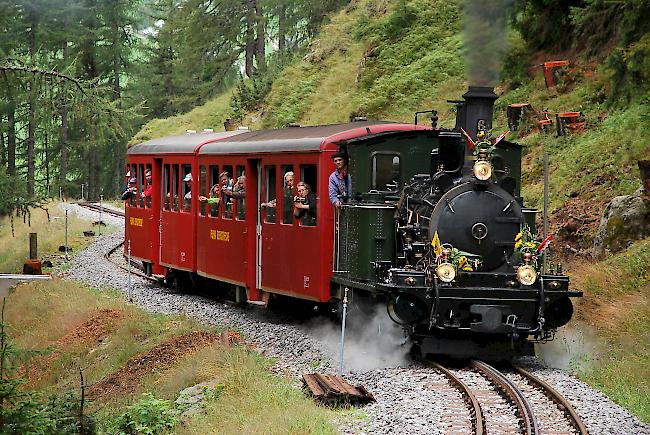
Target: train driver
<point x="340" y="182"/>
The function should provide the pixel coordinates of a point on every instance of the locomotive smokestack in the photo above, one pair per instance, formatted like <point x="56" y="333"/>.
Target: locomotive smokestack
<point x="475" y="113"/>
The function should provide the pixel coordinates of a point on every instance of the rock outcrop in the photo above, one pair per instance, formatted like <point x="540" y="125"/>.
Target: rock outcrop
<point x="625" y="220"/>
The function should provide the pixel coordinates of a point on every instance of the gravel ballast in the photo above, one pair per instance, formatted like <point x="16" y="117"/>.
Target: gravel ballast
<point x="410" y="399"/>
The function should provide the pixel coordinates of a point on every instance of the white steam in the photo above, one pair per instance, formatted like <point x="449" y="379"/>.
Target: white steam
<point x="371" y="341"/>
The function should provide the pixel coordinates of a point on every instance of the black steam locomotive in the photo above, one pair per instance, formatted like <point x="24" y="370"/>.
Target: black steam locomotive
<point x="451" y="250"/>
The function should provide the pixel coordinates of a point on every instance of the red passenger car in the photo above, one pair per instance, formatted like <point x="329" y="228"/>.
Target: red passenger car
<point x="252" y="242"/>
<point x="152" y="217"/>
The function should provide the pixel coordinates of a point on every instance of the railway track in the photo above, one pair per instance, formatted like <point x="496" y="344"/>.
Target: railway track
<point x="511" y="402"/>
<point x="100" y="208"/>
<point x="136" y="268"/>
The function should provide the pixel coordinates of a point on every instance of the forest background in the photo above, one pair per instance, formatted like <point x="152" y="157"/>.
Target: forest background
<point x="79" y="78"/>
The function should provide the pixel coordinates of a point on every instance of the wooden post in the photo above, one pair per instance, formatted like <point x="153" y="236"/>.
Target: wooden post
<point x="644" y="172"/>
<point x="33" y="246"/>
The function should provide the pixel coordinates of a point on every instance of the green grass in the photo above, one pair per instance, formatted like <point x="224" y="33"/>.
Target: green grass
<point x="43" y="315"/>
<point x="50" y="235"/>
<point x="616" y="304"/>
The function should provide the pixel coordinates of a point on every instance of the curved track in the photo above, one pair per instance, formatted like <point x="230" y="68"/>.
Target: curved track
<point x="495" y="406"/>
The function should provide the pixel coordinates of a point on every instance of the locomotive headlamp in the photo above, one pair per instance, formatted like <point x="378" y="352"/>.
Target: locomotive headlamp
<point x="526" y="275"/>
<point x="482" y="170"/>
<point x="446" y="272"/>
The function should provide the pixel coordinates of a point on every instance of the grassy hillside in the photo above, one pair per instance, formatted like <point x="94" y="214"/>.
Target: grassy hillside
<point x="211" y="115"/>
<point x="386" y="59"/>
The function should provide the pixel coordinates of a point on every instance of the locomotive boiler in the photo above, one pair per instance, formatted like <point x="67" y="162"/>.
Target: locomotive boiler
<point x="450" y="250"/>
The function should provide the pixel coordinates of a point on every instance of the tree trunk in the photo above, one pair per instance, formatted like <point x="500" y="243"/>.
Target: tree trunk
<point x="3" y="155"/>
<point x="250" y="37"/>
<point x="11" y="126"/>
<point x="117" y="93"/>
<point x="11" y="135"/>
<point x="31" y="111"/>
<point x="282" y="29"/>
<point x="261" y="39"/>
<point x="47" y="159"/>
<point x="31" y="131"/>
<point x="63" y="142"/>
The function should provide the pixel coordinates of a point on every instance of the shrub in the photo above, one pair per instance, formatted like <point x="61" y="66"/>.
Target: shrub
<point x="147" y="416"/>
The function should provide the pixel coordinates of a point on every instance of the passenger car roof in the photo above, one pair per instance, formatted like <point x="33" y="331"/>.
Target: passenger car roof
<point x="295" y="139"/>
<point x="181" y="144"/>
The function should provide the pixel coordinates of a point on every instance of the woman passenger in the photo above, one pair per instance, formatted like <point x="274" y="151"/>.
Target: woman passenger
<point x="304" y="205"/>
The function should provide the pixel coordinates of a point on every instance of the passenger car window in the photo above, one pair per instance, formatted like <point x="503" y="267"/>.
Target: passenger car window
<point x="166" y="191"/>
<point x="141" y="185"/>
<point x="239" y="192"/>
<point x="203" y="188"/>
<point x="227" y="205"/>
<point x="214" y="191"/>
<point x="148" y="187"/>
<point x="271" y="194"/>
<point x="174" y="195"/>
<point x="187" y="188"/>
<point x="288" y="191"/>
<point x="307" y="189"/>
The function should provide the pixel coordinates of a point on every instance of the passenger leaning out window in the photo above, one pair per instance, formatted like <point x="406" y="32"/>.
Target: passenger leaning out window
<point x="304" y="205"/>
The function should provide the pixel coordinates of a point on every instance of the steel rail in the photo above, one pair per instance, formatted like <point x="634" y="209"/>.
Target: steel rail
<point x="96" y="207"/>
<point x="557" y="398"/>
<point x="476" y="413"/>
<point x="137" y="271"/>
<point x="525" y="410"/>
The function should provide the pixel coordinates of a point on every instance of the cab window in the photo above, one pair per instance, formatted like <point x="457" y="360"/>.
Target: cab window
<point x="386" y="172"/>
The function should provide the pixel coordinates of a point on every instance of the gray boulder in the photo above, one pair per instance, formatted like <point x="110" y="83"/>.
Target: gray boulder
<point x="625" y="220"/>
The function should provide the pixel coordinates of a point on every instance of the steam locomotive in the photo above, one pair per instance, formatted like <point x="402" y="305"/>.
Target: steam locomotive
<point x="452" y="251"/>
<point x="436" y="230"/>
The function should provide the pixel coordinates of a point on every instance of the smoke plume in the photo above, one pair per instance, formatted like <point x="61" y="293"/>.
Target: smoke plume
<point x="484" y="39"/>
